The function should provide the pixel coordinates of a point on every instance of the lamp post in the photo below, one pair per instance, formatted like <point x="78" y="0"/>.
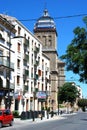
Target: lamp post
<point x="33" y="116"/>
<point x="8" y="101"/>
<point x="58" y="92"/>
<point x="58" y="99"/>
<point x="23" y="102"/>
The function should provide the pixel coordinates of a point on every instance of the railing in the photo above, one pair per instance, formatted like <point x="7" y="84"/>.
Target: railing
<point x="26" y="56"/>
<point x="5" y="62"/>
<point x="36" y="49"/>
<point x="26" y="42"/>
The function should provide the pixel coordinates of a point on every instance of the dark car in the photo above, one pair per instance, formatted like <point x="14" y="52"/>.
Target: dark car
<point x="6" y="117"/>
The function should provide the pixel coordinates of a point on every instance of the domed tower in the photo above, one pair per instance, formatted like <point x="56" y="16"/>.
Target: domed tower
<point x="45" y="30"/>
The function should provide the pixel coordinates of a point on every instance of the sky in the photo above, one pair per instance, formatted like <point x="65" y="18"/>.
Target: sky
<point x="27" y="11"/>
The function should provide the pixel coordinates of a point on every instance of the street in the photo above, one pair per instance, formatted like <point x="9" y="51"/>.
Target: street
<point x="70" y="122"/>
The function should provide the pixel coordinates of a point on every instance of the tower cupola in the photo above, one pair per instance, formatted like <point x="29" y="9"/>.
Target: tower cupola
<point x="45" y="22"/>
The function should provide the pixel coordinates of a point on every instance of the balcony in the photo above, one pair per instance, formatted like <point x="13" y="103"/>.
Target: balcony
<point x="47" y="69"/>
<point x="36" y="49"/>
<point x="25" y="88"/>
<point x="26" y="57"/>
<point x="26" y="72"/>
<point x="31" y="75"/>
<point x="36" y="63"/>
<point x="36" y="76"/>
<point x="12" y="86"/>
<point x="4" y="64"/>
<point x="26" y="42"/>
<point x="1" y="38"/>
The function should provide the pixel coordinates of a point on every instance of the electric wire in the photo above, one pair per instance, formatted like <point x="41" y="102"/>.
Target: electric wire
<point x="61" y="17"/>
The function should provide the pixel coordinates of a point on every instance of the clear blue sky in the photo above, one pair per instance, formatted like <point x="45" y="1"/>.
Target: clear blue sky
<point x="33" y="9"/>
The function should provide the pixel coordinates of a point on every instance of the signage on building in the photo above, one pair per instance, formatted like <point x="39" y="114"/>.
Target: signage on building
<point x="17" y="96"/>
<point x="41" y="95"/>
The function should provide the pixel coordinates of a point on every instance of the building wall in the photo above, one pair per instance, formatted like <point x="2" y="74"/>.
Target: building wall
<point x="28" y="68"/>
<point x="48" y="39"/>
<point x="49" y="42"/>
<point x="6" y="87"/>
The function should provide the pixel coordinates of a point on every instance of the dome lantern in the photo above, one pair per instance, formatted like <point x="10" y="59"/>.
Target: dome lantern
<point x="45" y="21"/>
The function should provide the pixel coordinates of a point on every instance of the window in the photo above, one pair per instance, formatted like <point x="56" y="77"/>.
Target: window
<point x="45" y="40"/>
<point x="25" y="62"/>
<point x="42" y="64"/>
<point x="50" y="43"/>
<point x="1" y="28"/>
<point x="18" y="63"/>
<point x="39" y="72"/>
<point x="19" y="30"/>
<point x="38" y="37"/>
<point x="18" y="47"/>
<point x="32" y="72"/>
<point x="50" y="40"/>
<point x="1" y="53"/>
<point x="32" y="59"/>
<point x="18" y="80"/>
<point x="32" y="45"/>
<point x="31" y="87"/>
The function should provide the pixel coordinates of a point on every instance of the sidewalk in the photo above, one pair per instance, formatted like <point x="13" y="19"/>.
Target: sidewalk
<point x="55" y="117"/>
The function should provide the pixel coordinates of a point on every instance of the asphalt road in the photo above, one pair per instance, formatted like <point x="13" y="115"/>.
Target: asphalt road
<point x="70" y="122"/>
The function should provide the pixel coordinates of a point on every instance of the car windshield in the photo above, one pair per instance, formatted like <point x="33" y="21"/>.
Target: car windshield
<point x="0" y="113"/>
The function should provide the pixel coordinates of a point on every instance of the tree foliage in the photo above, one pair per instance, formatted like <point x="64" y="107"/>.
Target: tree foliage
<point x="82" y="102"/>
<point x="68" y="93"/>
<point x="76" y="53"/>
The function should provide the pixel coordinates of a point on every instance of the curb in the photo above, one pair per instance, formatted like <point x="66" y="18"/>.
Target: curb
<point x="18" y="120"/>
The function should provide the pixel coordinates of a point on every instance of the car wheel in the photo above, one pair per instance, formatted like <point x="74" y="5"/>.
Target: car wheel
<point x="0" y="124"/>
<point x="11" y="123"/>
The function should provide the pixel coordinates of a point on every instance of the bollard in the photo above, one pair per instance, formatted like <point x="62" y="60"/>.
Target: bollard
<point x="47" y="115"/>
<point x="41" y="117"/>
<point x="33" y="117"/>
<point x="51" y="114"/>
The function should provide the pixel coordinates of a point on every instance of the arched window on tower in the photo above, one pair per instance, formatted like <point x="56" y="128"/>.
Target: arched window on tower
<point x="45" y="40"/>
<point x="38" y="37"/>
<point x="49" y="40"/>
<point x="50" y="43"/>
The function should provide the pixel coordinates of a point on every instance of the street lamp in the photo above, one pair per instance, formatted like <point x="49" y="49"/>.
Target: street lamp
<point x="58" y="99"/>
<point x="34" y="106"/>
<point x="59" y="84"/>
<point x="58" y="91"/>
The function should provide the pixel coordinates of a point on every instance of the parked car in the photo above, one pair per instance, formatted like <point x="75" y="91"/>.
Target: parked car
<point x="6" y="117"/>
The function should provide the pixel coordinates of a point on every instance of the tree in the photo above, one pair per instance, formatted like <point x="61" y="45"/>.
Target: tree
<point x="82" y="103"/>
<point x="68" y="93"/>
<point x="76" y="53"/>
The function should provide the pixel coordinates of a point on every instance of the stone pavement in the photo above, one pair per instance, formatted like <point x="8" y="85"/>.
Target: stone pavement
<point x="38" y="120"/>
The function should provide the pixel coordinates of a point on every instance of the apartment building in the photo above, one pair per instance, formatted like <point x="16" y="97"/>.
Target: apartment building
<point x="31" y="71"/>
<point x="7" y="31"/>
<point x="79" y="89"/>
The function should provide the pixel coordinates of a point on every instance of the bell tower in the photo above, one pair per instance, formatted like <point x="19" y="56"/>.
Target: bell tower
<point x="45" y="30"/>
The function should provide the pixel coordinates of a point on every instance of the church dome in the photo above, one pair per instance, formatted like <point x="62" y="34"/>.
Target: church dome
<point x="45" y="21"/>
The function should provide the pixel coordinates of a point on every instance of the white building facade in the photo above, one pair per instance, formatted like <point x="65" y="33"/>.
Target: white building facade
<point x="31" y="72"/>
